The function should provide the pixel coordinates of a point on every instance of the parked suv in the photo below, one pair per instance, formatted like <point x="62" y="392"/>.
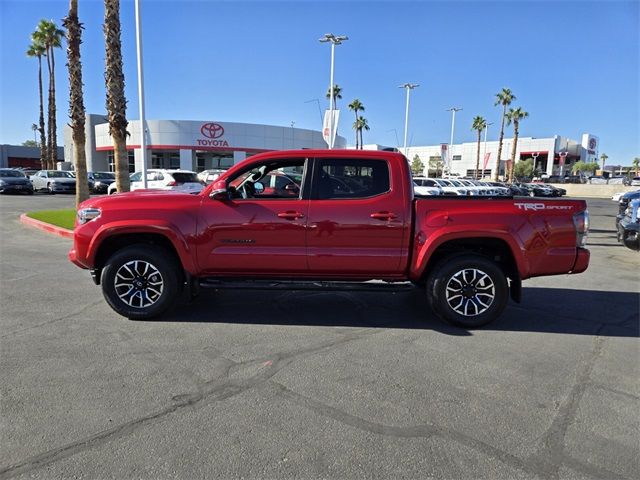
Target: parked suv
<point x="160" y="179"/>
<point x="629" y="226"/>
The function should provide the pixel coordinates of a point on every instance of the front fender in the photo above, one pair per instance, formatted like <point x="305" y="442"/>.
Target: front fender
<point x="153" y="226"/>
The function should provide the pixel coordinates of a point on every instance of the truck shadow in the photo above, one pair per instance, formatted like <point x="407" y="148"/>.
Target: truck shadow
<point x="544" y="310"/>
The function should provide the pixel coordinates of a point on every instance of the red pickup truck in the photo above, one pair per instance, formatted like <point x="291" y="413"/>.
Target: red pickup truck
<point x="325" y="219"/>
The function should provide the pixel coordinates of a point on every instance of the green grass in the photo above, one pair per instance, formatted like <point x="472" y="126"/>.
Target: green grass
<point x="61" y="218"/>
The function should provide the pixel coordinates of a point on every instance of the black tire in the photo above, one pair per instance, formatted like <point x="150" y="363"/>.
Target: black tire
<point x="452" y="290"/>
<point x="151" y="296"/>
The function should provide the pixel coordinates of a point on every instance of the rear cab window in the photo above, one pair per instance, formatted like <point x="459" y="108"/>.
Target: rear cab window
<point x="338" y="178"/>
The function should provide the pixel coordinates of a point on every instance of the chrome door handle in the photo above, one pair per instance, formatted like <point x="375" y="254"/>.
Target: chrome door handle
<point x="291" y="215"/>
<point x="384" y="215"/>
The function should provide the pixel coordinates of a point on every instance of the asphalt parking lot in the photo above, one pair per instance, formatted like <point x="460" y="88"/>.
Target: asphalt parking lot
<point x="315" y="385"/>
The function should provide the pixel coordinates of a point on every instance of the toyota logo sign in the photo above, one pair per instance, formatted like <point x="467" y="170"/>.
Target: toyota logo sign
<point x="212" y="130"/>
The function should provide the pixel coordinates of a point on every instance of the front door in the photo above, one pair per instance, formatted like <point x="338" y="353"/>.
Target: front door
<point x="260" y="231"/>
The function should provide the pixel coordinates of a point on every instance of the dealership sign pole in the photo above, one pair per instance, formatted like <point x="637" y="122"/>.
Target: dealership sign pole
<point x="330" y="127"/>
<point x="453" y="110"/>
<point x="143" y="146"/>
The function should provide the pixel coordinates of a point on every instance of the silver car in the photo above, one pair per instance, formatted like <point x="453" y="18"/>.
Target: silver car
<point x="53" y="181"/>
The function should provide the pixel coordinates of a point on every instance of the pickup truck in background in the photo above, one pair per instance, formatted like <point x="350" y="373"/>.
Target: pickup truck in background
<point x="337" y="219"/>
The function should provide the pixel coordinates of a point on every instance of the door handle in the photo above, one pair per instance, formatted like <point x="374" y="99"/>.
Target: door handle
<point x="291" y="215"/>
<point x="384" y="215"/>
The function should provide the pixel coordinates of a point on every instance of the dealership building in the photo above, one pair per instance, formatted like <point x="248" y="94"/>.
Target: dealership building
<point x="551" y="155"/>
<point x="190" y="145"/>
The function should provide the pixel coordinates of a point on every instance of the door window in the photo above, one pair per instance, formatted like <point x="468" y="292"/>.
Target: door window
<point x="273" y="179"/>
<point x="350" y="179"/>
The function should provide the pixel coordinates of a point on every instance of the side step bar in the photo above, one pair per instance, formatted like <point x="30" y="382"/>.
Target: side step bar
<point x="371" y="286"/>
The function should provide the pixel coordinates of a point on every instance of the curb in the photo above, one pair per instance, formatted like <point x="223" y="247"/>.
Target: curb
<point x="46" y="227"/>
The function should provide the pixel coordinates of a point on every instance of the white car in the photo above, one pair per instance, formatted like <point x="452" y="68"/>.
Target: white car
<point x="160" y="179"/>
<point x="449" y="188"/>
<point x="209" y="176"/>
<point x="426" y="186"/>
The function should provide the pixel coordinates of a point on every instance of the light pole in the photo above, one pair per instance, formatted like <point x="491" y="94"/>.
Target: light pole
<point x="143" y="146"/>
<point x="453" y="111"/>
<point x="408" y="87"/>
<point x="334" y="40"/>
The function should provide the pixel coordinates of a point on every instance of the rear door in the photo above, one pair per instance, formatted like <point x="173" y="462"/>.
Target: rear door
<point x="358" y="217"/>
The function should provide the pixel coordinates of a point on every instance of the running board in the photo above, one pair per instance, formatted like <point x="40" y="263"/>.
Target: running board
<point x="235" y="284"/>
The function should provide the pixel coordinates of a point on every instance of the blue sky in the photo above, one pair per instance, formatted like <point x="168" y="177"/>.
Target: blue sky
<point x="574" y="66"/>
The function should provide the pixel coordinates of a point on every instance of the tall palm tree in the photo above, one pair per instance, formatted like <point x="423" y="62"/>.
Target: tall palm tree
<point x="38" y="50"/>
<point x="636" y="164"/>
<point x="504" y="98"/>
<point x="363" y="124"/>
<point x="336" y="94"/>
<point x="76" y="103"/>
<point x="514" y="115"/>
<point x="357" y="106"/>
<point x="479" y="124"/>
<point x="603" y="157"/>
<point x="116" y="101"/>
<point x="50" y="36"/>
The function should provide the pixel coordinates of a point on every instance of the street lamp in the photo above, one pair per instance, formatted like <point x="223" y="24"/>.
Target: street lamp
<point x="453" y="111"/>
<point x="334" y="40"/>
<point x="143" y="146"/>
<point x="407" y="87"/>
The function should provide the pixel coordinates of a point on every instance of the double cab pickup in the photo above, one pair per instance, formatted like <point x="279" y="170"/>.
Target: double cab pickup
<point x="326" y="219"/>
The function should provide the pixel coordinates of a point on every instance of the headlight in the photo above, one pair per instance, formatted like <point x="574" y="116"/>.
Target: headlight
<point x="87" y="214"/>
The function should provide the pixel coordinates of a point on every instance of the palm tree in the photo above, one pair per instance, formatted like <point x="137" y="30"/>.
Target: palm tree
<point x="514" y="115"/>
<point x="362" y="124"/>
<point x="50" y="36"/>
<point x="356" y="105"/>
<point x="336" y="94"/>
<point x="116" y="101"/>
<point x="38" y="50"/>
<point x="76" y="103"/>
<point x="603" y="157"/>
<point x="478" y="124"/>
<point x="636" y="164"/>
<point x="504" y="98"/>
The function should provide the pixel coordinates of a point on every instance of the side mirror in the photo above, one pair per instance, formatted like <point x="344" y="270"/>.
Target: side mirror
<point x="220" y="191"/>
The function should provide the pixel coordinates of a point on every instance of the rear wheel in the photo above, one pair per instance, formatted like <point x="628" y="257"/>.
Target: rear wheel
<point x="468" y="290"/>
<point x="140" y="282"/>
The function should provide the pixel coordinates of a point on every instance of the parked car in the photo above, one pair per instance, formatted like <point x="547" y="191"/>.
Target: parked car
<point x="537" y="189"/>
<point x="208" y="176"/>
<point x="426" y="186"/>
<point x="501" y="188"/>
<point x="469" y="256"/>
<point x="54" y="181"/>
<point x="14" y="181"/>
<point x="625" y="198"/>
<point x="635" y="182"/>
<point x="629" y="226"/>
<point x="101" y="181"/>
<point x="449" y="188"/>
<point x="161" y="179"/>
<point x="557" y="191"/>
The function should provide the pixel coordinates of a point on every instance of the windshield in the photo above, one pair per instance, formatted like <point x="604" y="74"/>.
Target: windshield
<point x="58" y="174"/>
<point x="11" y="173"/>
<point x="104" y="176"/>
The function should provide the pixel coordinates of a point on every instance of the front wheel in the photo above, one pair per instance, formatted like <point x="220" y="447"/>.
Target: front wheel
<point x="468" y="290"/>
<point x="140" y="282"/>
<point x="49" y="189"/>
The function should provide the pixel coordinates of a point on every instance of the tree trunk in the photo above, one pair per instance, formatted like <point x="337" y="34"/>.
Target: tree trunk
<point x="43" y="138"/>
<point x="76" y="102"/>
<point x="496" y="174"/>
<point x="513" y="151"/>
<point x="53" y="143"/>
<point x="48" y="167"/>
<point x="476" y="176"/>
<point x="116" y="101"/>
<point x="356" y="110"/>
